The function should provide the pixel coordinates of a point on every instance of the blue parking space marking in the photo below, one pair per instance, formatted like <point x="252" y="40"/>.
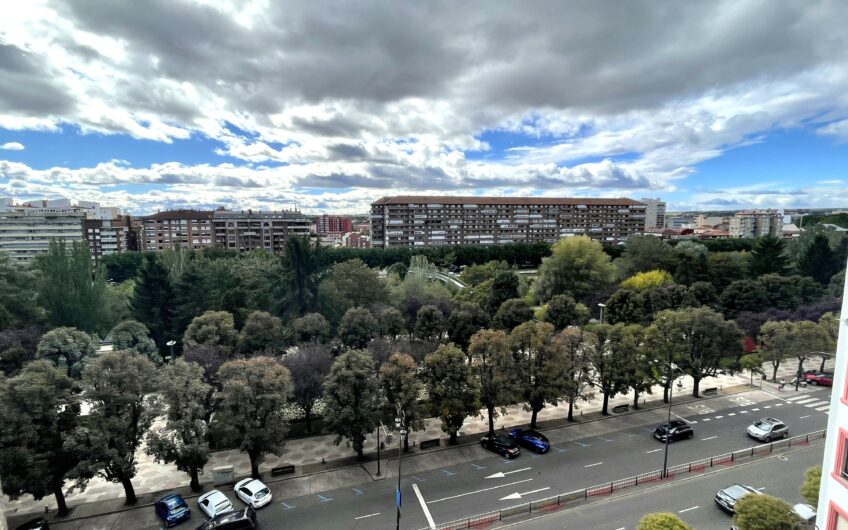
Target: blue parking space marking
<point x="507" y="461"/>
<point x="287" y="506"/>
<point x="581" y="444"/>
<point x="418" y="479"/>
<point x="478" y="466"/>
<point x="358" y="492"/>
<point x="325" y="499"/>
<point x="605" y="439"/>
<point x="448" y="473"/>
<point x="560" y="449"/>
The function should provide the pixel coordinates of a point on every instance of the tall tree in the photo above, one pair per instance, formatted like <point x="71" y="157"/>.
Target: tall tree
<point x="465" y="320"/>
<point x="190" y="298"/>
<point x="358" y="327"/>
<point x="349" y="284"/>
<point x="117" y="385"/>
<point x="818" y="260"/>
<point x="743" y="295"/>
<point x="254" y="394"/>
<point x="504" y="287"/>
<point x="775" y="343"/>
<point x="308" y="367"/>
<point x="67" y="348"/>
<point x="261" y="332"/>
<point x="691" y="263"/>
<point x="311" y="327"/>
<point x="352" y="398"/>
<point x="450" y="387"/>
<point x="210" y="357"/>
<point x="613" y="360"/>
<point x="212" y="327"/>
<point x="392" y="323"/>
<point x="625" y="306"/>
<point x="297" y="288"/>
<point x="574" y="345"/>
<point x="512" y="313"/>
<point x="768" y="255"/>
<point x="18" y="295"/>
<point x="577" y="266"/>
<point x="562" y="311"/>
<point x="430" y="323"/>
<point x="402" y="390"/>
<point x="135" y="337"/>
<point x="152" y="302"/>
<point x="644" y="253"/>
<point x="539" y="366"/>
<point x="71" y="288"/>
<point x="184" y="440"/>
<point x="494" y="371"/>
<point x="38" y="409"/>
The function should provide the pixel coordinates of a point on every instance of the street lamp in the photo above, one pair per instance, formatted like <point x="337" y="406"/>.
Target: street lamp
<point x="171" y="343"/>
<point x="399" y="423"/>
<point x="602" y="306"/>
<point x="671" y="368"/>
<point x="378" y="446"/>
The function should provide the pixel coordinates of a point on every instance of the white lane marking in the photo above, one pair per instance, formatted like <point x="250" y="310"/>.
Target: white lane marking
<point x="654" y="450"/>
<point x="710" y="438"/>
<point x="706" y="419"/>
<point x="743" y="412"/>
<point x="689" y="509"/>
<point x="501" y="474"/>
<point x="719" y="417"/>
<point x="372" y="515"/>
<point x="823" y="408"/>
<point x="480" y="491"/>
<point x="622" y="528"/>
<point x="754" y="410"/>
<point x="693" y="421"/>
<point x="595" y="464"/>
<point x="807" y="416"/>
<point x="778" y="404"/>
<point x="423" y="506"/>
<point x="732" y="414"/>
<point x="516" y="495"/>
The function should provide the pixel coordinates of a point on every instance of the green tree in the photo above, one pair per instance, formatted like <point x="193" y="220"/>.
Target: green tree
<point x="752" y="362"/>
<point x="152" y="302"/>
<point x="476" y="274"/>
<point x="261" y="332"/>
<point x="402" y="388"/>
<point x="352" y="398"/>
<point x="781" y="291"/>
<point x="400" y="269"/>
<point x="504" y="287"/>
<point x="190" y="298"/>
<point x="392" y="323"/>
<point x="648" y="279"/>
<point x="465" y="320"/>
<point x="662" y="521"/>
<point x="703" y="294"/>
<point x="726" y="268"/>
<point x="358" y="327"/>
<point x="349" y="284"/>
<point x="116" y="384"/>
<point x="18" y="295"/>
<point x="450" y="387"/>
<point x="71" y="289"/>
<point x="625" y="306"/>
<point x="212" y="327"/>
<point x="512" y="313"/>
<point x="644" y="253"/>
<point x="691" y="264"/>
<point x="430" y="323"/>
<point x="122" y="266"/>
<point x="67" y="348"/>
<point x="829" y="323"/>
<point x="184" y="440"/>
<point x="577" y="266"/>
<point x="776" y="343"/>
<point x="308" y="368"/>
<point x="743" y="295"/>
<point x="562" y="311"/>
<point x="613" y="360"/>
<point x="768" y="255"/>
<point x="811" y="485"/>
<point x="764" y="512"/>
<point x="574" y="345"/>
<point x="134" y="336"/>
<point x="818" y="261"/>
<point x="254" y="395"/>
<point x="38" y="409"/>
<point x="297" y="288"/>
<point x="311" y="327"/>
<point x="538" y="366"/>
<point x="116" y="307"/>
<point x="494" y="371"/>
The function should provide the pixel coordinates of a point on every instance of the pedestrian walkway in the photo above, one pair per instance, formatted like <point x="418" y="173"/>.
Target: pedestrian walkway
<point x="318" y="453"/>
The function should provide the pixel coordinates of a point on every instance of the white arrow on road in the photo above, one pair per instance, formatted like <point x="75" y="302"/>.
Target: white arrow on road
<point x="502" y="474"/>
<point x="517" y="495"/>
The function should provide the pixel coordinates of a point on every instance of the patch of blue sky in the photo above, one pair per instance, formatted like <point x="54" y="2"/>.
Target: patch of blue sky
<point x="501" y="142"/>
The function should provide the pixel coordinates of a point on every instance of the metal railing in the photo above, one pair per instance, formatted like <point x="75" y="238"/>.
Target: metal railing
<point x="561" y="500"/>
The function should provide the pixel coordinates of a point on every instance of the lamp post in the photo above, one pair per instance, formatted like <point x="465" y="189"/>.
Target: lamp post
<point x="602" y="306"/>
<point x="399" y="423"/>
<point x="171" y="343"/>
<point x="671" y="369"/>
<point x="378" y="448"/>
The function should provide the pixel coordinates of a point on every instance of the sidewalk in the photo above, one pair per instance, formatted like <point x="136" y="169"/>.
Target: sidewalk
<point x="319" y="454"/>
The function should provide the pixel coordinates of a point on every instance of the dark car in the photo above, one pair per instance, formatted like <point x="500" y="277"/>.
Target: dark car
<point x="244" y="519"/>
<point x="172" y="509"/>
<point x="35" y="524"/>
<point x="728" y="497"/>
<point x="819" y="378"/>
<point x="503" y="445"/>
<point x="535" y="441"/>
<point x="673" y="431"/>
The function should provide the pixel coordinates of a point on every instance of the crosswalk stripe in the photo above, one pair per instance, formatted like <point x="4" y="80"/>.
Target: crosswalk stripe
<point x="823" y="408"/>
<point x="816" y="404"/>
<point x="793" y="398"/>
<point x="806" y="400"/>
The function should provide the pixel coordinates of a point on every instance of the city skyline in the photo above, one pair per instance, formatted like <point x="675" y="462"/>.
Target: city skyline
<point x="266" y="107"/>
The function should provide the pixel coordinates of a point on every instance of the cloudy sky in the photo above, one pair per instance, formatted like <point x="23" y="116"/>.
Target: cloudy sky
<point x="327" y="106"/>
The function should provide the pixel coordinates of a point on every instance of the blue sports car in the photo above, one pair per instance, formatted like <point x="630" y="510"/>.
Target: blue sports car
<point x="535" y="441"/>
<point x="172" y="509"/>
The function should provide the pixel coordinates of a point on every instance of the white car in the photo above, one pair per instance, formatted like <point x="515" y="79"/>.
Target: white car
<point x="213" y="503"/>
<point x="253" y="492"/>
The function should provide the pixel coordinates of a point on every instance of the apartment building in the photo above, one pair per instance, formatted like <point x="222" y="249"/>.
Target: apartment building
<point x="654" y="213"/>
<point x="25" y="232"/>
<point x="355" y="240"/>
<point x="333" y="224"/>
<point x="111" y="236"/>
<point x="188" y="229"/>
<point x="756" y="223"/>
<point x="249" y="230"/>
<point x="833" y="493"/>
<point x="433" y="220"/>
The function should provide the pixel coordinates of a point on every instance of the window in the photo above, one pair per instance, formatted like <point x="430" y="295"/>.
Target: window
<point x="843" y="461"/>
<point x="841" y="471"/>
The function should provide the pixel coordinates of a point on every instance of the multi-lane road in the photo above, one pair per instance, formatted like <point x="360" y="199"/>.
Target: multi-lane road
<point x="447" y="485"/>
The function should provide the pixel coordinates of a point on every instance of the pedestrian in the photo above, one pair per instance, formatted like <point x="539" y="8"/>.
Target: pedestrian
<point x="782" y="383"/>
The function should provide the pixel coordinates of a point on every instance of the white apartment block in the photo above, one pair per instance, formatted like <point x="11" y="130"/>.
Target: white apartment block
<point x="756" y="223"/>
<point x="654" y="213"/>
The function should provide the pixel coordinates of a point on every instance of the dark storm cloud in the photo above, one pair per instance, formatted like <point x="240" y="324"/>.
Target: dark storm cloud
<point x="346" y="152"/>
<point x="27" y="87"/>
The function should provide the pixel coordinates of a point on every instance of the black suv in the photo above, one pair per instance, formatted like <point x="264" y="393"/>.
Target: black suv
<point x="504" y="445"/>
<point x="674" y="430"/>
<point x="233" y="520"/>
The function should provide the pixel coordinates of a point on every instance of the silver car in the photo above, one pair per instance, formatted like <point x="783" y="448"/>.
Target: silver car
<point x="727" y="498"/>
<point x="213" y="503"/>
<point x="768" y="429"/>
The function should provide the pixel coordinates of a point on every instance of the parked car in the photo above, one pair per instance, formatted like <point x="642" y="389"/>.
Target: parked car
<point x="533" y="440"/>
<point x="503" y="445"/>
<point x="819" y="378"/>
<point x="214" y="502"/>
<point x="253" y="492"/>
<point x="768" y="429"/>
<point x="172" y="509"/>
<point x="673" y="431"/>
<point x="35" y="524"/>
<point x="728" y="497"/>
<point x="244" y="519"/>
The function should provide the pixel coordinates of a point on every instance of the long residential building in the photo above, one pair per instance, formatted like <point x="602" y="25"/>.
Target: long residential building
<point x="249" y="230"/>
<point x="188" y="229"/>
<point x="435" y="220"/>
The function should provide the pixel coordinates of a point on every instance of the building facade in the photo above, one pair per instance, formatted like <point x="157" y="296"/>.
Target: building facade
<point x="188" y="229"/>
<point x="833" y="492"/>
<point x="356" y="240"/>
<point x="249" y="230"/>
<point x="756" y="223"/>
<point x="109" y="236"/>
<point x="333" y="224"/>
<point x="422" y="221"/>
<point x="25" y="231"/>
<point x="654" y="213"/>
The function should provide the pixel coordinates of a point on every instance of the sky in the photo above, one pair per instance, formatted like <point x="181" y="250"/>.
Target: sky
<point x="327" y="106"/>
